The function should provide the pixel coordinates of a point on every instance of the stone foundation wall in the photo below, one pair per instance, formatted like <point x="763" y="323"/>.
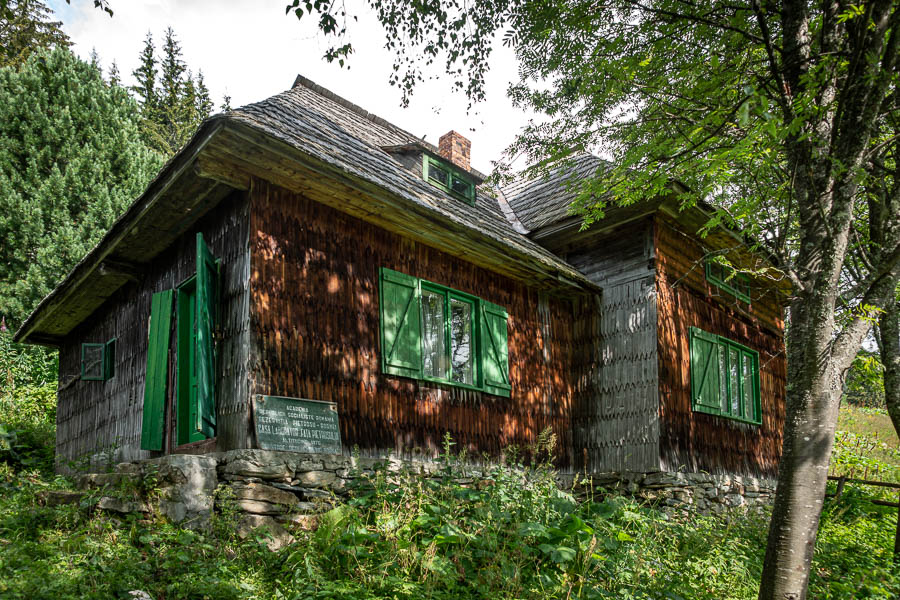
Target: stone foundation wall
<point x="697" y="491"/>
<point x="276" y="490"/>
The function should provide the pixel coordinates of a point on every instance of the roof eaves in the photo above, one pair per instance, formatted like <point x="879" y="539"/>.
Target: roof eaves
<point x="169" y="173"/>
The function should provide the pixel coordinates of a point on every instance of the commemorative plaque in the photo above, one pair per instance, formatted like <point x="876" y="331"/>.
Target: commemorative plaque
<point x="297" y="425"/>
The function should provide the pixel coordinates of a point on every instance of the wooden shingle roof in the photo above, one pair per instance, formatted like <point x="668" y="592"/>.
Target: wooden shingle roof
<point x="308" y="140"/>
<point x="545" y="200"/>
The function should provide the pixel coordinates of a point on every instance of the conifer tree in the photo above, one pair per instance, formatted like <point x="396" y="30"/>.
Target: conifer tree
<point x="145" y="74"/>
<point x="226" y="103"/>
<point x="204" y="105"/>
<point x="79" y="163"/>
<point x="172" y="71"/>
<point x="115" y="79"/>
<point x="94" y="60"/>
<point x="26" y="26"/>
<point x="179" y="102"/>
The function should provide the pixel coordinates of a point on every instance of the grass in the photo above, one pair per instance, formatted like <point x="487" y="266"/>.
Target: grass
<point x="866" y="445"/>
<point x="869" y="422"/>
<point x="402" y="537"/>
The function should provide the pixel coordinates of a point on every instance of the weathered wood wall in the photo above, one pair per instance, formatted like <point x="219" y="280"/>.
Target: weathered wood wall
<point x="695" y="441"/>
<point x="315" y="325"/>
<point x="618" y="412"/>
<point x="96" y="416"/>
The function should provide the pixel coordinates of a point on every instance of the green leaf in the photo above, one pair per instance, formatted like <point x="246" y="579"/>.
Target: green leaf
<point x="562" y="554"/>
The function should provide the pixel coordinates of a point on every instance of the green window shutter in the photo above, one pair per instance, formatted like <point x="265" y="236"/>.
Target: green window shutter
<point x="705" y="372"/>
<point x="207" y="301"/>
<point x="109" y="359"/>
<point x="401" y="329"/>
<point x="157" y="374"/>
<point x="494" y="349"/>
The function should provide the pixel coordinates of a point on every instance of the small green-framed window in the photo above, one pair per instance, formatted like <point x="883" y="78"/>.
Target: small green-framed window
<point x="444" y="176"/>
<point x="726" y="278"/>
<point x="98" y="361"/>
<point x="435" y="333"/>
<point x="724" y="377"/>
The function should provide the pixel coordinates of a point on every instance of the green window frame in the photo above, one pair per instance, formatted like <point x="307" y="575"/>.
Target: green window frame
<point x="445" y="176"/>
<point x="435" y="333"/>
<point x="724" y="377"/>
<point x="726" y="278"/>
<point x="98" y="361"/>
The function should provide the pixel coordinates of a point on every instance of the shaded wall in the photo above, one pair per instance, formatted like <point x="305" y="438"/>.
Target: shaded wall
<point x="695" y="441"/>
<point x="618" y="402"/>
<point x="95" y="416"/>
<point x="315" y="334"/>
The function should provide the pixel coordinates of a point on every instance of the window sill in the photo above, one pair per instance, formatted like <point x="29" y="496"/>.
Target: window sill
<point x="452" y="384"/>
<point x="713" y="413"/>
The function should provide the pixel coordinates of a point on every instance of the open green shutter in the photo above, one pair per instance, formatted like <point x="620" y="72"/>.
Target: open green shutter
<point x="157" y="374"/>
<point x="705" y="371"/>
<point x="401" y="330"/>
<point x="109" y="359"/>
<point x="494" y="349"/>
<point x="207" y="300"/>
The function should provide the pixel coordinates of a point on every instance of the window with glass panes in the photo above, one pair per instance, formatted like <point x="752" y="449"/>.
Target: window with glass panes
<point x="436" y="333"/>
<point x="98" y="361"/>
<point x="448" y="178"/>
<point x="724" y="377"/>
<point x="726" y="278"/>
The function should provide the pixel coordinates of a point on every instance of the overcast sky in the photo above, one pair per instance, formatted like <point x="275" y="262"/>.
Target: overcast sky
<point x="251" y="50"/>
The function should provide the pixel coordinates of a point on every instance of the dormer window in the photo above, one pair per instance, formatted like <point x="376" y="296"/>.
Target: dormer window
<point x="445" y="176"/>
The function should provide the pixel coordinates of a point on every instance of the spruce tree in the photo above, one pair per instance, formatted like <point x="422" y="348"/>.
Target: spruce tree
<point x="172" y="71"/>
<point x="174" y="105"/>
<point x="26" y="26"/>
<point x="115" y="79"/>
<point x="94" y="60"/>
<point x="226" y="103"/>
<point x="77" y="163"/>
<point x="204" y="104"/>
<point x="145" y="74"/>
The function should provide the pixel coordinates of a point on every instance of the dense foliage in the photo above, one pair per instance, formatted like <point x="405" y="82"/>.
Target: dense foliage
<point x="405" y="537"/>
<point x="864" y="385"/>
<point x="71" y="160"/>
<point x="27" y="405"/>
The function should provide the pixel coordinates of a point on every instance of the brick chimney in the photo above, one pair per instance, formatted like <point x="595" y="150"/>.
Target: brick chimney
<point x="455" y="148"/>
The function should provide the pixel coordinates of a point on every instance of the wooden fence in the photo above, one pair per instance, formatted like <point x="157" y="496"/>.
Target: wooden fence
<point x="842" y="480"/>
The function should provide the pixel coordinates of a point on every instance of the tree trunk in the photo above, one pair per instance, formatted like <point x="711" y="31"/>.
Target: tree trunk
<point x="813" y="398"/>
<point x="889" y="348"/>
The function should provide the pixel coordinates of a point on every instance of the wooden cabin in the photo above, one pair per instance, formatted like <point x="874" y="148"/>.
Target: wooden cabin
<point x="303" y="248"/>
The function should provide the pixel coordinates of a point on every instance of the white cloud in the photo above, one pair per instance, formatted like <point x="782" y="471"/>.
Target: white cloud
<point x="251" y="50"/>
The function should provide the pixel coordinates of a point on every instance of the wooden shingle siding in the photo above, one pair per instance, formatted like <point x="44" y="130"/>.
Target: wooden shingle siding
<point x="621" y="429"/>
<point x="695" y="441"/>
<point x="315" y="334"/>
<point x="93" y="416"/>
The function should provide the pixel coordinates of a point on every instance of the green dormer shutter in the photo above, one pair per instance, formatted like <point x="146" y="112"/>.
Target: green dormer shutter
<point x="207" y="301"/>
<point x="705" y="386"/>
<point x="401" y="333"/>
<point x="494" y="349"/>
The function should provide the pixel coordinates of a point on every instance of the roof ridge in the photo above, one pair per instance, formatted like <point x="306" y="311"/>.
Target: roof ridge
<point x="355" y="108"/>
